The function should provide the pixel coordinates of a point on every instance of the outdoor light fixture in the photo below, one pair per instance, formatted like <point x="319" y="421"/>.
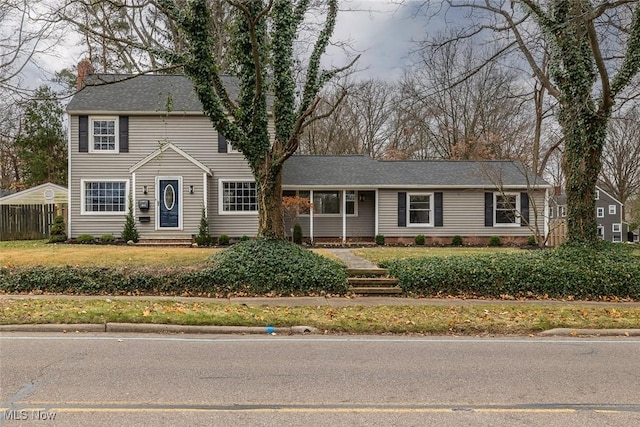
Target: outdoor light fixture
<point x="361" y="197"/>
<point x="144" y="189"/>
<point x="191" y="189"/>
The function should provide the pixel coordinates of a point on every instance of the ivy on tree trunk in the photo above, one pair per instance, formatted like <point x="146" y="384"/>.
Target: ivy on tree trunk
<point x="262" y="41"/>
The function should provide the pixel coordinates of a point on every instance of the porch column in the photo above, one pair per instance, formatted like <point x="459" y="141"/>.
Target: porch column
<point x="344" y="216"/>
<point x="311" y="216"/>
<point x="376" y="214"/>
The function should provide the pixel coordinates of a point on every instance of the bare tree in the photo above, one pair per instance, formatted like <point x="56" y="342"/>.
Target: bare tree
<point x="594" y="55"/>
<point x="621" y="156"/>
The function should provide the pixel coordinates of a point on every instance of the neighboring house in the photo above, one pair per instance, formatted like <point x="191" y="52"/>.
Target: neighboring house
<point x="609" y="214"/>
<point x="146" y="139"/>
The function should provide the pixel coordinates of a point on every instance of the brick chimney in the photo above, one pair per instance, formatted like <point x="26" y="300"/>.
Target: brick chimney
<point x="84" y="69"/>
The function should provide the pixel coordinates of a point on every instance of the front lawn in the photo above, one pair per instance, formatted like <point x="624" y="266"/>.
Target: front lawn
<point x="379" y="254"/>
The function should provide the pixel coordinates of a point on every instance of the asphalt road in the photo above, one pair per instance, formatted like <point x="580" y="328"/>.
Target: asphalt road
<point x="155" y="380"/>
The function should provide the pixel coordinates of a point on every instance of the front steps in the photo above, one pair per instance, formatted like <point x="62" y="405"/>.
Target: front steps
<point x="372" y="281"/>
<point x="177" y="242"/>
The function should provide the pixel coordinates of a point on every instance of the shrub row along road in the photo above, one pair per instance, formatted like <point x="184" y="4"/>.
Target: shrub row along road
<point x="157" y="380"/>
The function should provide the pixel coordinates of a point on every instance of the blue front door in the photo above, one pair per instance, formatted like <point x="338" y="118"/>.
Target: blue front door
<point x="169" y="197"/>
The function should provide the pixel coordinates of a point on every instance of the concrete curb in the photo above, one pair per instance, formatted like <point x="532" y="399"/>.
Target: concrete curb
<point x="149" y="328"/>
<point x="568" y="332"/>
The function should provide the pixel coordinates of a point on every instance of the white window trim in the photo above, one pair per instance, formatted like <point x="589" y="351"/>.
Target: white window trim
<point x="612" y="209"/>
<point x="221" y="210"/>
<point x="562" y="211"/>
<point x="601" y="234"/>
<point x="83" y="210"/>
<point x="495" y="210"/>
<point x="160" y="199"/>
<point x="431" y="210"/>
<point x="600" y="212"/>
<point x="116" y="129"/>
<point x="597" y="194"/>
<point x="231" y="150"/>
<point x="334" y="215"/>
<point x="616" y="227"/>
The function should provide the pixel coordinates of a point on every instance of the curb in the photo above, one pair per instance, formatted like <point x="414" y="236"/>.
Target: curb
<point x="568" y="332"/>
<point x="150" y="328"/>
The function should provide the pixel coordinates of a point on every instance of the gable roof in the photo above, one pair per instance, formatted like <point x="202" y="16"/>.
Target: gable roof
<point x="149" y="93"/>
<point x="164" y="148"/>
<point x="43" y="194"/>
<point x="362" y="171"/>
<point x="561" y="199"/>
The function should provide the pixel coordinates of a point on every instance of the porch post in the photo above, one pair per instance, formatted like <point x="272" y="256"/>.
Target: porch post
<point x="344" y="216"/>
<point x="311" y="216"/>
<point x="377" y="231"/>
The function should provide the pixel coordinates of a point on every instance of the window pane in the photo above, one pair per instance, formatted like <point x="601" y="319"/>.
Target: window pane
<point x="105" y="196"/>
<point x="239" y="196"/>
<point x="327" y="202"/>
<point x="506" y="206"/>
<point x="419" y="208"/>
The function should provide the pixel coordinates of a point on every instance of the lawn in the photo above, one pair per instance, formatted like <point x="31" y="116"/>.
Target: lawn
<point x="378" y="254"/>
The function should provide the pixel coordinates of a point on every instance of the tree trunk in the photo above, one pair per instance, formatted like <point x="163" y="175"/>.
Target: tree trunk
<point x="269" y="194"/>
<point x="585" y="133"/>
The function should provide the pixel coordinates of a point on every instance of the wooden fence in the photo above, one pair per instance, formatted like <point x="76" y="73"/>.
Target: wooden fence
<point x="26" y="222"/>
<point x="557" y="232"/>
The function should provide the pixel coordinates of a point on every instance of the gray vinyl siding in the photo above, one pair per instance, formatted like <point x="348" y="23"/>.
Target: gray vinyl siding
<point x="360" y="226"/>
<point x="194" y="135"/>
<point x="609" y="219"/>
<point x="463" y="214"/>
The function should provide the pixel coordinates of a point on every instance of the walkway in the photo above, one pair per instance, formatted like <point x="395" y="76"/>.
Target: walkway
<point x="350" y="259"/>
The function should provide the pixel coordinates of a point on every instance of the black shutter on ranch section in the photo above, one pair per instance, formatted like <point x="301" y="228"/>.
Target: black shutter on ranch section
<point x="524" y="209"/>
<point x="488" y="209"/>
<point x="83" y="134"/>
<point x="438" y="209"/>
<point x="222" y="143"/>
<point x="124" y="134"/>
<point x="402" y="209"/>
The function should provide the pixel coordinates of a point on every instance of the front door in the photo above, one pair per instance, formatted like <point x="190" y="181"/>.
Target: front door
<point x="169" y="198"/>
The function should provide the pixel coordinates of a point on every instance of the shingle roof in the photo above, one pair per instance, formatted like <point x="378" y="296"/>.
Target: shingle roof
<point x="362" y="171"/>
<point x="145" y="93"/>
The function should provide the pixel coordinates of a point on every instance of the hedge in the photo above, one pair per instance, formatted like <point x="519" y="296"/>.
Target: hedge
<point x="246" y="268"/>
<point x="577" y="272"/>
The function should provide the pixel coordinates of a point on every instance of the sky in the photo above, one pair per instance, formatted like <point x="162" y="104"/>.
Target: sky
<point x="381" y="31"/>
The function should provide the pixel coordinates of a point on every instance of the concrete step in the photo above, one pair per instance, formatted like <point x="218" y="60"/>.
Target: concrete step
<point x="372" y="281"/>
<point x="367" y="272"/>
<point x="378" y="290"/>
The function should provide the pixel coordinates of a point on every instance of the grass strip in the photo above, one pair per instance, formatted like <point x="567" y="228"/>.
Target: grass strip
<point x="500" y="319"/>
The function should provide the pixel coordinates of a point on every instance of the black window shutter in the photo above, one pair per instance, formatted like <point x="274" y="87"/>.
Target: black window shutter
<point x="438" y="209"/>
<point x="124" y="134"/>
<point x="402" y="209"/>
<point x="222" y="143"/>
<point x="524" y="209"/>
<point x="488" y="209"/>
<point x="83" y="134"/>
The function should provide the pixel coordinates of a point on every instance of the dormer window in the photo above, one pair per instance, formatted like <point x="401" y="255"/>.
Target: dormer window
<point x="103" y="134"/>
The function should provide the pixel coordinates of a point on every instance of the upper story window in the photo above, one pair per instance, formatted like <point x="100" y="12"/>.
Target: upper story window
<point x="104" y="197"/>
<point x="612" y="209"/>
<point x="506" y="209"/>
<point x="616" y="228"/>
<point x="562" y="211"/>
<point x="600" y="212"/>
<point x="420" y="211"/>
<point x="103" y="134"/>
<point x="238" y="197"/>
<point x="597" y="194"/>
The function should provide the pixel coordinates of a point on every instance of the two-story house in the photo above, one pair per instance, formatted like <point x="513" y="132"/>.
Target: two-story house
<point x="609" y="214"/>
<point x="146" y="140"/>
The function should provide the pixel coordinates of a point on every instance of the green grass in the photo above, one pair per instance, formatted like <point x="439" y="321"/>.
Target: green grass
<point x="376" y="255"/>
<point x="468" y="320"/>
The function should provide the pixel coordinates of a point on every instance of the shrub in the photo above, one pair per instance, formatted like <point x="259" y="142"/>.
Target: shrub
<point x="57" y="232"/>
<point x="86" y="239"/>
<point x="223" y="240"/>
<point x="130" y="232"/>
<point x="532" y="241"/>
<point x="245" y="238"/>
<point x="456" y="240"/>
<point x="495" y="241"/>
<point x="203" y="238"/>
<point x="107" y="238"/>
<point x="419" y="239"/>
<point x="297" y="234"/>
<point x="575" y="272"/>
<point x="275" y="266"/>
<point x="379" y="239"/>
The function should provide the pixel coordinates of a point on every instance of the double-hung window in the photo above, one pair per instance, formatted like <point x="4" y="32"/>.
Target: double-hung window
<point x="600" y="212"/>
<point x="104" y="197"/>
<point x="612" y="209"/>
<point x="238" y="197"/>
<point x="616" y="228"/>
<point x="420" y="209"/>
<point x="506" y="209"/>
<point x="103" y="135"/>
